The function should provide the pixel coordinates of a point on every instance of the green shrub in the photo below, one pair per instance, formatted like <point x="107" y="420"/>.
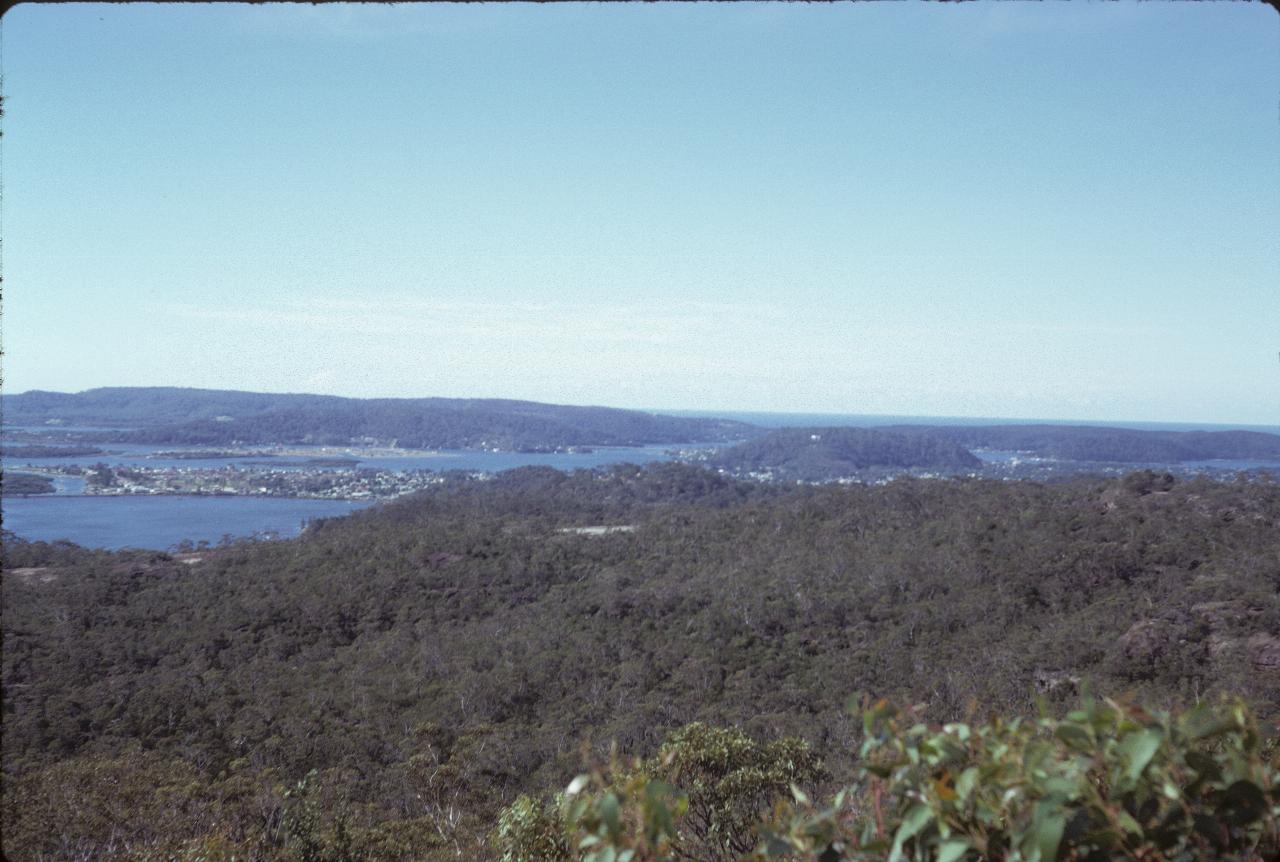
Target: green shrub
<point x="700" y="797"/>
<point x="528" y="831"/>
<point x="1108" y="781"/>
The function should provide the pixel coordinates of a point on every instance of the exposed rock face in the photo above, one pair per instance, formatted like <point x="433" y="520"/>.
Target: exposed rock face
<point x="1217" y="616"/>
<point x="1053" y="681"/>
<point x="1146" y="640"/>
<point x="1220" y="628"/>
<point x="1219" y="645"/>
<point x="1147" y="482"/>
<point x="1264" y="652"/>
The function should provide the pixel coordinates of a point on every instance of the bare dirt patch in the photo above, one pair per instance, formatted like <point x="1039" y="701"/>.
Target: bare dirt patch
<point x="601" y="530"/>
<point x="43" y="574"/>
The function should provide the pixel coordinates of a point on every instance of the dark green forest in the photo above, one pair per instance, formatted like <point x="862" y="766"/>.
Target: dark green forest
<point x="394" y="679"/>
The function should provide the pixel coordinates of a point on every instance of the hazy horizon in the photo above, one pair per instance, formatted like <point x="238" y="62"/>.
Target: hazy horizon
<point x="955" y="210"/>
<point x="813" y="417"/>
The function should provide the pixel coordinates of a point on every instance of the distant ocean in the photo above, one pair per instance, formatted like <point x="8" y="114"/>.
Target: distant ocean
<point x="871" y="420"/>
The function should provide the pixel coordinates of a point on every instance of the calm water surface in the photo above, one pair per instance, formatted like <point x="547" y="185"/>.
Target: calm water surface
<point x="161" y="522"/>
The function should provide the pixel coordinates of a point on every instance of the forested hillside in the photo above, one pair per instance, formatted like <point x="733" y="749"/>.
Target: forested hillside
<point x="820" y="454"/>
<point x="432" y="658"/>
<point x="1119" y="445"/>
<point x="138" y="406"/>
<point x="488" y="424"/>
<point x="215" y="417"/>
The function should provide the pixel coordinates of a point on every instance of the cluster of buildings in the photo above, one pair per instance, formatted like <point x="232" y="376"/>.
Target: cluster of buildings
<point x="370" y="484"/>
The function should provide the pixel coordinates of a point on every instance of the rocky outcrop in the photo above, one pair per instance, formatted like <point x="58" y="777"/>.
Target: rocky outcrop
<point x="1219" y="628"/>
<point x="1264" y="652"/>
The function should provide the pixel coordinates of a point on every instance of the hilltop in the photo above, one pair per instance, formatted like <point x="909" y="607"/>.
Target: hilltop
<point x="1114" y="445"/>
<point x="218" y="417"/>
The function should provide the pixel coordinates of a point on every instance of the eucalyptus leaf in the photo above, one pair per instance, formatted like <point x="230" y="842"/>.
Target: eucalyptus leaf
<point x="1045" y="833"/>
<point x="1138" y="748"/>
<point x="916" y="818"/>
<point x="953" y="849"/>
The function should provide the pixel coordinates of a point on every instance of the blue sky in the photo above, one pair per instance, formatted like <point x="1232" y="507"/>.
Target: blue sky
<point x="1025" y="210"/>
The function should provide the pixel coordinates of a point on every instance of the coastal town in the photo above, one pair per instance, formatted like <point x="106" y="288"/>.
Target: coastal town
<point x="337" y="478"/>
<point x="233" y="480"/>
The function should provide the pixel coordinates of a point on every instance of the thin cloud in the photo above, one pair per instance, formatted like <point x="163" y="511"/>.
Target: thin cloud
<point x="356" y="22"/>
<point x="498" y="321"/>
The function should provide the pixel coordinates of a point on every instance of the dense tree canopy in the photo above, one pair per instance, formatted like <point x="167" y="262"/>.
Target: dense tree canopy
<point x="433" y="658"/>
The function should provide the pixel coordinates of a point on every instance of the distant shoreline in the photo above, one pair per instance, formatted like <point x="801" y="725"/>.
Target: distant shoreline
<point x="772" y="419"/>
